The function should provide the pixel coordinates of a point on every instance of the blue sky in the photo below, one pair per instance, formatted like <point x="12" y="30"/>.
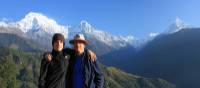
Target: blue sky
<point x="118" y="17"/>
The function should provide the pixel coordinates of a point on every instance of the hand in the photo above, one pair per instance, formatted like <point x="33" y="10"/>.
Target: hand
<point x="92" y="55"/>
<point x="48" y="57"/>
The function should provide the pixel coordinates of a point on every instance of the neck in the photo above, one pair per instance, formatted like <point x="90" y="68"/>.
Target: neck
<point x="57" y="50"/>
<point x="56" y="53"/>
<point x="79" y="52"/>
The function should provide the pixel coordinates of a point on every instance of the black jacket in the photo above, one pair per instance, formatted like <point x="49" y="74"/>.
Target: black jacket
<point x="93" y="75"/>
<point x="53" y="73"/>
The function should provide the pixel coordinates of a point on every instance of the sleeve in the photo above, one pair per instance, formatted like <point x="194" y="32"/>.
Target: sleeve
<point x="43" y="73"/>
<point x="99" y="77"/>
<point x="90" y="55"/>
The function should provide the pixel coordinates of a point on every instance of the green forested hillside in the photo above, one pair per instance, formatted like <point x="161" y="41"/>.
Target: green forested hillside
<point x="20" y="69"/>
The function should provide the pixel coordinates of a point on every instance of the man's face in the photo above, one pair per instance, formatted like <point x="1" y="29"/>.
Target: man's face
<point x="58" y="45"/>
<point x="79" y="46"/>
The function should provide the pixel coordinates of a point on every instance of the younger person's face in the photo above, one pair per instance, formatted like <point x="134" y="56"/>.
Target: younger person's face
<point x="58" y="45"/>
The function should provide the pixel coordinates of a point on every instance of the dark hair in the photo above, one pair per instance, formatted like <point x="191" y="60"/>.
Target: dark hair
<point x="58" y="36"/>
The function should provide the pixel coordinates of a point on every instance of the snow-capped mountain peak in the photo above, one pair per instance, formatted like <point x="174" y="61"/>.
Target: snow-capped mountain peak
<point x="38" y="22"/>
<point x="176" y="26"/>
<point x="179" y="23"/>
<point x="93" y="33"/>
<point x="153" y="34"/>
<point x="85" y="24"/>
<point x="6" y="23"/>
<point x="3" y="24"/>
<point x="86" y="27"/>
<point x="41" y="28"/>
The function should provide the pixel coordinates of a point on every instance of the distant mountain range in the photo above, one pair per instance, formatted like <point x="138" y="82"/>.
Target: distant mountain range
<point x="41" y="28"/>
<point x="174" y="57"/>
<point x="23" y="42"/>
